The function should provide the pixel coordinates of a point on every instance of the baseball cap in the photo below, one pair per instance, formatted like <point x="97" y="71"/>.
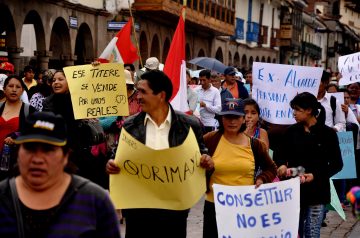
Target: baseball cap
<point x="152" y="63"/>
<point x="230" y="71"/>
<point x="43" y="127"/>
<point x="128" y="78"/>
<point x="7" y="66"/>
<point x="232" y="106"/>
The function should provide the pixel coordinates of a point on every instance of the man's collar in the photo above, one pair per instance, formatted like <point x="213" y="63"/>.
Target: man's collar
<point x="167" y="119"/>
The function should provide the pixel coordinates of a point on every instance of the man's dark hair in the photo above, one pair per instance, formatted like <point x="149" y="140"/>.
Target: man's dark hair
<point x="132" y="67"/>
<point x="158" y="81"/>
<point x="28" y="68"/>
<point x="206" y="73"/>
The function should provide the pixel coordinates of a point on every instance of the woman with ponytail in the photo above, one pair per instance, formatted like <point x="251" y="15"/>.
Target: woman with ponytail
<point x="314" y="146"/>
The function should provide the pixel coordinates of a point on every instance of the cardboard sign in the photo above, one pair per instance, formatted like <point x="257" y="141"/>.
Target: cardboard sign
<point x="346" y="143"/>
<point x="335" y="202"/>
<point x="275" y="85"/>
<point x="168" y="179"/>
<point x="271" y="210"/>
<point x="349" y="68"/>
<point x="97" y="91"/>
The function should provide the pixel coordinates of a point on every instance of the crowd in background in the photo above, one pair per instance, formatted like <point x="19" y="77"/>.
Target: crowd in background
<point x="237" y="139"/>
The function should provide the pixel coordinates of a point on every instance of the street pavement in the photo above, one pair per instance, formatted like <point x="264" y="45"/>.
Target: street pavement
<point x="336" y="226"/>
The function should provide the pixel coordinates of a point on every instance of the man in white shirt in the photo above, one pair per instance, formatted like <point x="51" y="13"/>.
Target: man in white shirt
<point x="210" y="101"/>
<point x="337" y="122"/>
<point x="158" y="126"/>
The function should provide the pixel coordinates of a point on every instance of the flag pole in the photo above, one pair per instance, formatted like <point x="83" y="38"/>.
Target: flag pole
<point x="136" y="41"/>
<point x="183" y="12"/>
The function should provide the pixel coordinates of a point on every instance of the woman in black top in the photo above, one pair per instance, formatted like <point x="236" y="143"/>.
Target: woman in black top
<point x="313" y="145"/>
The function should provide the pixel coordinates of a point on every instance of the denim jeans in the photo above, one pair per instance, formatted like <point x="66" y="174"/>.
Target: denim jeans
<point x="310" y="221"/>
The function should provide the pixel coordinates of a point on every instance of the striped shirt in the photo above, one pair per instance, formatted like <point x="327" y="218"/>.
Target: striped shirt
<point x="84" y="211"/>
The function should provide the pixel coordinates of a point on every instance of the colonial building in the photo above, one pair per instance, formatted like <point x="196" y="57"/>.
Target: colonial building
<point x="66" y="33"/>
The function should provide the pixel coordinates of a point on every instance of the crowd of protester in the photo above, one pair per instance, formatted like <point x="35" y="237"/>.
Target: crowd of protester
<point x="231" y="136"/>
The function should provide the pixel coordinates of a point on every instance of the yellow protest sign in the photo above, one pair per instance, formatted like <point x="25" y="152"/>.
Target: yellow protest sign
<point x="98" y="91"/>
<point x="168" y="179"/>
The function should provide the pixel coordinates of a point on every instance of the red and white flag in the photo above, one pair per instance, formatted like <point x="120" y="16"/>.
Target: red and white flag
<point x="175" y="68"/>
<point x="120" y="49"/>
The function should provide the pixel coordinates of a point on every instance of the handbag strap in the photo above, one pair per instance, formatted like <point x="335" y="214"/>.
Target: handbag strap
<point x="15" y="199"/>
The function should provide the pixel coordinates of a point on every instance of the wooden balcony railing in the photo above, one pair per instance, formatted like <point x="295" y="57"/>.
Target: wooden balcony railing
<point x="275" y="38"/>
<point x="206" y="14"/>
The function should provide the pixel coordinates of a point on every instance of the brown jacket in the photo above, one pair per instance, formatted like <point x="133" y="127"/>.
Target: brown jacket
<point x="265" y="168"/>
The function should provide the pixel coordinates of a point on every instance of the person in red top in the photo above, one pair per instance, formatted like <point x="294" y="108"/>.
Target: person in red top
<point x="12" y="114"/>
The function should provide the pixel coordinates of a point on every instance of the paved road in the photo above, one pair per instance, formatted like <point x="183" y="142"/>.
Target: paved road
<point x="336" y="227"/>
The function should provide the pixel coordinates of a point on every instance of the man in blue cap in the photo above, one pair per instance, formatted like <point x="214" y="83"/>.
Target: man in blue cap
<point x="236" y="87"/>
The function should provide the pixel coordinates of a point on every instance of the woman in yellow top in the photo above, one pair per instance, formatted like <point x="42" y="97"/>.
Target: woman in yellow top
<point x="238" y="159"/>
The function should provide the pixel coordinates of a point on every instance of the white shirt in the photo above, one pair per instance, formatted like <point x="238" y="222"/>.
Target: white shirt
<point x="339" y="118"/>
<point x="211" y="97"/>
<point x="157" y="137"/>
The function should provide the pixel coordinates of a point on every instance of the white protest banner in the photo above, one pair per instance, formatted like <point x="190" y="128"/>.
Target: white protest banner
<point x="349" y="68"/>
<point x="275" y="85"/>
<point x="339" y="97"/>
<point x="272" y="210"/>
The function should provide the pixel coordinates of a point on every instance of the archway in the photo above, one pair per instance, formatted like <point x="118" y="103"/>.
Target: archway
<point x="237" y="59"/>
<point x="274" y="60"/>
<point x="188" y="55"/>
<point x="257" y="59"/>
<point x="144" y="48"/>
<point x="268" y="59"/>
<point x="230" y="59"/>
<point x="166" y="48"/>
<point x="263" y="59"/>
<point x="59" y="44"/>
<point x="244" y="61"/>
<point x="84" y="49"/>
<point x="219" y="55"/>
<point x="7" y="33"/>
<point x="32" y="37"/>
<point x="155" y="47"/>
<point x="251" y="60"/>
<point x="201" y="53"/>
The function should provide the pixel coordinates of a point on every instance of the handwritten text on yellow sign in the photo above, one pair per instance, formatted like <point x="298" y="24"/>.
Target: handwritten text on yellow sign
<point x="168" y="179"/>
<point x="97" y="91"/>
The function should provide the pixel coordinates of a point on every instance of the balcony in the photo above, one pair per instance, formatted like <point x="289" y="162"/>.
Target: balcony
<point x="263" y="36"/>
<point x="312" y="50"/>
<point x="275" y="38"/>
<point x="201" y="15"/>
<point x="252" y="33"/>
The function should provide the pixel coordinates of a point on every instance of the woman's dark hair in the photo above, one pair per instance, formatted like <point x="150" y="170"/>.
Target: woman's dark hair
<point x="59" y="71"/>
<point x="252" y="102"/>
<point x="221" y="125"/>
<point x="132" y="67"/>
<point x="306" y="101"/>
<point x="7" y="80"/>
<point x="158" y="81"/>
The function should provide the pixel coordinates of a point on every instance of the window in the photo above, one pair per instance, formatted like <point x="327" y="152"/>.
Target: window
<point x="239" y="30"/>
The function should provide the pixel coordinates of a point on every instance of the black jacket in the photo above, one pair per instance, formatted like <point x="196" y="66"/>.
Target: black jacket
<point x="243" y="93"/>
<point x="148" y="222"/>
<point x="319" y="153"/>
<point x="180" y="125"/>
